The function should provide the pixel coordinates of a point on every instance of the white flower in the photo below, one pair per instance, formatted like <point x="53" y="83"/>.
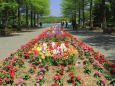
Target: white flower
<point x="53" y="44"/>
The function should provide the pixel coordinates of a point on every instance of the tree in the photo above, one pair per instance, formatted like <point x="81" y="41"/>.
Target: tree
<point x="91" y="16"/>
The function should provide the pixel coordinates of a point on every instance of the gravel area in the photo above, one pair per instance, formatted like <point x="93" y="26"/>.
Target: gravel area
<point x="102" y="43"/>
<point x="12" y="42"/>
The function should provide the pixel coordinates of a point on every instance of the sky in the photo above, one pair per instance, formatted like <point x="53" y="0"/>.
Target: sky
<point x="55" y="7"/>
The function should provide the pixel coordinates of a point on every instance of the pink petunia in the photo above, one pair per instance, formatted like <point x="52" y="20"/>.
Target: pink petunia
<point x="19" y="85"/>
<point x="40" y="77"/>
<point x="37" y="84"/>
<point x="103" y="80"/>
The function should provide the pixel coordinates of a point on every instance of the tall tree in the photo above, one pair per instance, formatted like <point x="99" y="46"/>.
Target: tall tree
<point x="91" y="18"/>
<point x="104" y="24"/>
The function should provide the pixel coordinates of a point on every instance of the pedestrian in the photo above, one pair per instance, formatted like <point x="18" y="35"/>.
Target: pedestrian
<point x="74" y="24"/>
<point x="62" y="24"/>
<point x="40" y="24"/>
<point x="66" y="24"/>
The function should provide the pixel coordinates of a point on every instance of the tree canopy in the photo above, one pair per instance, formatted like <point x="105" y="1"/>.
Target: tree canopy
<point x="22" y="12"/>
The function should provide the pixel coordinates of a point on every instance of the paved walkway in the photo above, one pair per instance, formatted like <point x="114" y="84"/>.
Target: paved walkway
<point x="102" y="43"/>
<point x="11" y="43"/>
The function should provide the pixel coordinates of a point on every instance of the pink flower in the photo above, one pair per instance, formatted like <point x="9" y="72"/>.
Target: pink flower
<point x="92" y="57"/>
<point x="60" y="50"/>
<point x="22" y="80"/>
<point x="75" y="44"/>
<point x="16" y="82"/>
<point x="103" y="80"/>
<point x="54" y="56"/>
<point x="46" y="65"/>
<point x="40" y="77"/>
<point x="94" y="63"/>
<point x="85" y="60"/>
<point x="96" y="71"/>
<point x="102" y="67"/>
<point x="33" y="58"/>
<point x="19" y="85"/>
<point x="99" y="73"/>
<point x="41" y="72"/>
<point x="37" y="84"/>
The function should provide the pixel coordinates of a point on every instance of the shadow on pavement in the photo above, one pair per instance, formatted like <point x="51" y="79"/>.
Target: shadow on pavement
<point x="11" y="35"/>
<point x="96" y="39"/>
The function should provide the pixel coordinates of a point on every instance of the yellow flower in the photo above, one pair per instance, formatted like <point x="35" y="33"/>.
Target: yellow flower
<point x="53" y="31"/>
<point x="40" y="60"/>
<point x="42" y="56"/>
<point x="38" y="49"/>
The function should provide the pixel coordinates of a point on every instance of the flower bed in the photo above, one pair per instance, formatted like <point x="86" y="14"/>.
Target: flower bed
<point x="77" y="64"/>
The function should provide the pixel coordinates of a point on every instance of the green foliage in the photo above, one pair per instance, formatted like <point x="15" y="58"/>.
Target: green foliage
<point x="26" y="76"/>
<point x="9" y="11"/>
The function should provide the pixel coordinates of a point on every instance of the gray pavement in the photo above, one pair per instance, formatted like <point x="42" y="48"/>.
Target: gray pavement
<point x="11" y="43"/>
<point x="102" y="43"/>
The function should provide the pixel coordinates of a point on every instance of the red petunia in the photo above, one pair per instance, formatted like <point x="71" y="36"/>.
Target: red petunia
<point x="0" y="82"/>
<point x="78" y="78"/>
<point x="55" y="84"/>
<point x="61" y="71"/>
<point x="113" y="69"/>
<point x="74" y="83"/>
<point x="59" y="76"/>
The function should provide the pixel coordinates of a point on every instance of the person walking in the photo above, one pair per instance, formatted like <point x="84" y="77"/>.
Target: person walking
<point x="66" y="24"/>
<point x="40" y="24"/>
<point x="73" y="24"/>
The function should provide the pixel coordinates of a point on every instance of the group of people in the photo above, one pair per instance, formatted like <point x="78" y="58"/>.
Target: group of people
<point x="74" y="25"/>
<point x="64" y="24"/>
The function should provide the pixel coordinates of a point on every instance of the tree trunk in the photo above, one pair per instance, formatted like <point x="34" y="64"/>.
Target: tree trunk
<point x="79" y="14"/>
<point x="6" y="21"/>
<point x="37" y="19"/>
<point x="83" y="15"/>
<point x="31" y="18"/>
<point x="104" y="25"/>
<point x="19" y="19"/>
<point x="91" y="19"/>
<point x="34" y="19"/>
<point x="26" y="16"/>
<point x="13" y="15"/>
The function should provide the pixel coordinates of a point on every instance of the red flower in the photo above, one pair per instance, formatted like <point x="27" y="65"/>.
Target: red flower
<point x="6" y="79"/>
<point x="72" y="79"/>
<point x="0" y="82"/>
<point x="7" y="66"/>
<point x="82" y="82"/>
<point x="59" y="76"/>
<point x="63" y="67"/>
<point x="12" y="78"/>
<point x="78" y="78"/>
<point x="5" y="73"/>
<point x="11" y="75"/>
<point x="61" y="71"/>
<point x="68" y="65"/>
<point x="74" y="83"/>
<point x="55" y="77"/>
<point x="113" y="69"/>
<point x="1" y="70"/>
<point x="55" y="84"/>
<point x="0" y="79"/>
<point x="72" y="75"/>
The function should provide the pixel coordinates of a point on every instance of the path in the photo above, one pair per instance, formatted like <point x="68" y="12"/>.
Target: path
<point x="102" y="43"/>
<point x="11" y="43"/>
